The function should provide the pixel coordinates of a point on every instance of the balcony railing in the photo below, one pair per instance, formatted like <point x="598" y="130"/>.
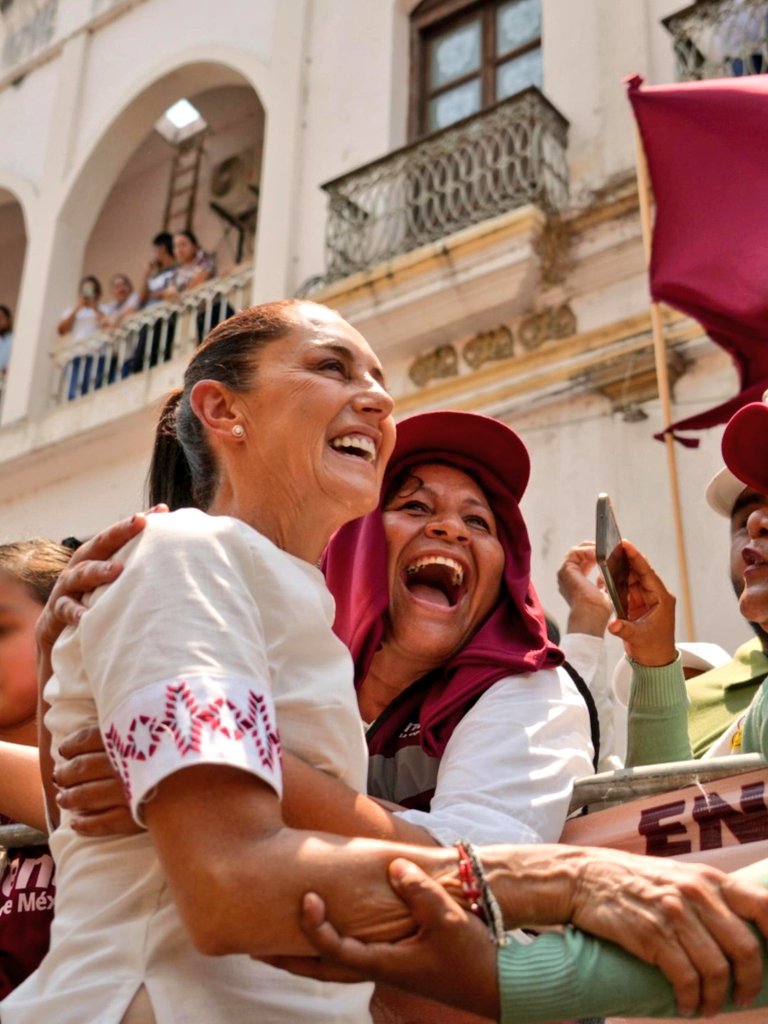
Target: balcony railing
<point x="512" y="154"/>
<point x="720" y="39"/>
<point x="156" y="334"/>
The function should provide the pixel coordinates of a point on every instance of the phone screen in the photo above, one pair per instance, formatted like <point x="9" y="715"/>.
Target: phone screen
<point x="611" y="556"/>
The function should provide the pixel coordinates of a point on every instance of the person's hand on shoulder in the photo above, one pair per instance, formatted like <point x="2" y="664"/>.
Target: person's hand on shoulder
<point x="89" y="568"/>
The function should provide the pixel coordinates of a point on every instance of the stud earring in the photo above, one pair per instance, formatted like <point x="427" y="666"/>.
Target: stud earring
<point x="238" y="430"/>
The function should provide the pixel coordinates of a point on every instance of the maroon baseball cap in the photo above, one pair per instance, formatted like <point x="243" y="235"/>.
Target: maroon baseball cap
<point x="745" y="445"/>
<point x="490" y="448"/>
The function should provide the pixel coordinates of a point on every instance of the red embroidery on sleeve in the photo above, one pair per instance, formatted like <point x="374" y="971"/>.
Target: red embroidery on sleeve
<point x="187" y="721"/>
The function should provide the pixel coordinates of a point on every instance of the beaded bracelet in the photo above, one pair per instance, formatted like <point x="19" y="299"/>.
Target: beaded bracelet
<point x="476" y="888"/>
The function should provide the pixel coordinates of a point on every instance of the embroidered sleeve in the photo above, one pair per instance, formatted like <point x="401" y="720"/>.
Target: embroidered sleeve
<point x="188" y="721"/>
<point x="176" y="659"/>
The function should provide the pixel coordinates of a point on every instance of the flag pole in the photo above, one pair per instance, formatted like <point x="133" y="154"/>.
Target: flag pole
<point x="662" y="377"/>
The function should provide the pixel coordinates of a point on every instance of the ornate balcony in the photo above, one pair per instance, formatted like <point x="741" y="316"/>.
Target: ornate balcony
<point x="508" y="156"/>
<point x="156" y="334"/>
<point x="720" y="39"/>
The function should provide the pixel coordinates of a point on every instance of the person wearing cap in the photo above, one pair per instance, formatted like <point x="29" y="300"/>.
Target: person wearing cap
<point x="719" y="697"/>
<point x="745" y="451"/>
<point x="473" y="720"/>
<point x="675" y="715"/>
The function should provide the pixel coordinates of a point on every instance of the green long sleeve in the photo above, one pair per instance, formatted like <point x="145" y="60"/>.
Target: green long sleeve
<point x="658" y="715"/>
<point x="755" y="734"/>
<point x="572" y="975"/>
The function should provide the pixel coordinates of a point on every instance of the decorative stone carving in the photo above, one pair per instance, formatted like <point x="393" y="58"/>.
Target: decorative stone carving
<point x="559" y="322"/>
<point x="441" y="362"/>
<point x="629" y="380"/>
<point x="489" y="345"/>
<point x="497" y="343"/>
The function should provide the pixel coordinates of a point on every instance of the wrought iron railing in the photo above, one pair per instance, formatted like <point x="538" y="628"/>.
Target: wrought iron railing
<point x="720" y="39"/>
<point x="512" y="154"/>
<point x="156" y="334"/>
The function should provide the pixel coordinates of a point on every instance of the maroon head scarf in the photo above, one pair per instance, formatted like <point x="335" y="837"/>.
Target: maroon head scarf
<point x="513" y="639"/>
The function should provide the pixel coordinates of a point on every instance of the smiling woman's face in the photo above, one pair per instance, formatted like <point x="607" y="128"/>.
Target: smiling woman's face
<point x="318" y="421"/>
<point x="445" y="561"/>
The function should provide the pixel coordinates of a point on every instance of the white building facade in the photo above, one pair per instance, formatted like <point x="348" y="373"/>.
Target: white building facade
<point x="479" y="224"/>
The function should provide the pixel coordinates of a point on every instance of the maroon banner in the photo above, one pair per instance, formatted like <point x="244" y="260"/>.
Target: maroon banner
<point x="705" y="143"/>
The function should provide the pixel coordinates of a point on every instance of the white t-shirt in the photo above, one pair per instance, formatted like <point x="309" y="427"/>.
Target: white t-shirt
<point x="86" y="321"/>
<point x="130" y="305"/>
<point x="181" y="661"/>
<point x="508" y="770"/>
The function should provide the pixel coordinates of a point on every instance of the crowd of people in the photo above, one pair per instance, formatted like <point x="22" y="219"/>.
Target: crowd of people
<point x="306" y="716"/>
<point x="178" y="264"/>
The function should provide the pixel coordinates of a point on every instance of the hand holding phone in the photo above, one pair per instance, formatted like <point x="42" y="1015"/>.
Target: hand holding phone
<point x="611" y="556"/>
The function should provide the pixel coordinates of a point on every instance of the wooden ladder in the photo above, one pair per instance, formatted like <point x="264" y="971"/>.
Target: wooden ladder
<point x="182" y="187"/>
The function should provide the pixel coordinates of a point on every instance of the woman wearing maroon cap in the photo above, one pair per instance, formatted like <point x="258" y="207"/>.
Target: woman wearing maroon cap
<point x="473" y="726"/>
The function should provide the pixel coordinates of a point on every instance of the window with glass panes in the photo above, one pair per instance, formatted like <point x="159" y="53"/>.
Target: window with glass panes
<point x="469" y="55"/>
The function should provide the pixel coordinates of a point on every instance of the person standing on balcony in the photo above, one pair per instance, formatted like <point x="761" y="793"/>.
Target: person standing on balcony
<point x="124" y="302"/>
<point x="6" y="341"/>
<point x="158" y="273"/>
<point x="81" y="321"/>
<point x="87" y="315"/>
<point x="194" y="265"/>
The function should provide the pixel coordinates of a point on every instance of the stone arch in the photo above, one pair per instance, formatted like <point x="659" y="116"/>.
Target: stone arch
<point x="94" y="176"/>
<point x="17" y="199"/>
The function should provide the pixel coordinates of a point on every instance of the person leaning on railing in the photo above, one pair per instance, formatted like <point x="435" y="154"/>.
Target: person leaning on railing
<point x="195" y="266"/>
<point x="81" y="321"/>
<point x="158" y="275"/>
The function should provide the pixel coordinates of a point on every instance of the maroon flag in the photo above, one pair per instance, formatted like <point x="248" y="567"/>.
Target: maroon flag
<point x="706" y="145"/>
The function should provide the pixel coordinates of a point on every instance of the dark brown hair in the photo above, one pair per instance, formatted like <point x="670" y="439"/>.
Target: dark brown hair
<point x="183" y="471"/>
<point x="36" y="564"/>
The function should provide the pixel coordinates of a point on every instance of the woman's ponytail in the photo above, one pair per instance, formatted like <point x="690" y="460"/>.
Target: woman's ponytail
<point x="169" y="479"/>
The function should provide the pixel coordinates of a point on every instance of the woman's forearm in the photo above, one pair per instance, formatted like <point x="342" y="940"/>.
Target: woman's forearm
<point x="21" y="791"/>
<point x="315" y="801"/>
<point x="219" y="831"/>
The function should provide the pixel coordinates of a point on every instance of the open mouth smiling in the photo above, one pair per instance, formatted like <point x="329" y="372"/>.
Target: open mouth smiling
<point x="753" y="559"/>
<point x="358" y="445"/>
<point x="435" y="579"/>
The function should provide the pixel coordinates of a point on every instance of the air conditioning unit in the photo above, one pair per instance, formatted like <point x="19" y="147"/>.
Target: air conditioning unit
<point x="234" y="190"/>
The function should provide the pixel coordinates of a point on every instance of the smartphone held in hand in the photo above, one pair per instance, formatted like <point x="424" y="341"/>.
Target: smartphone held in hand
<point x="611" y="556"/>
